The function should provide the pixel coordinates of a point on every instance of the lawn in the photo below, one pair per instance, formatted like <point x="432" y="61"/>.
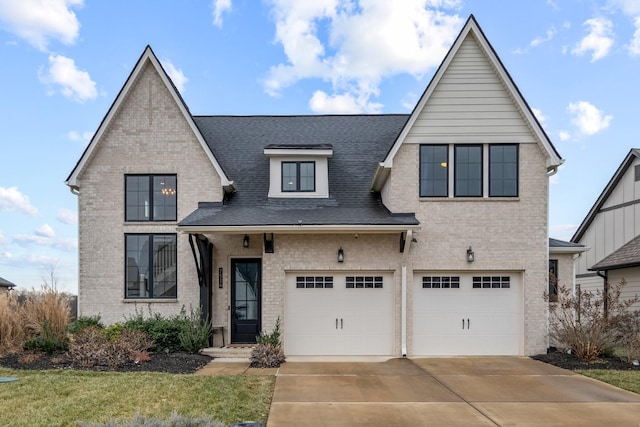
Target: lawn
<point x="61" y="398"/>
<point x="628" y="380"/>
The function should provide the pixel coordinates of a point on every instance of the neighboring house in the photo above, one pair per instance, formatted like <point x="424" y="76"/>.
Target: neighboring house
<point x="420" y="234"/>
<point x="562" y="259"/>
<point x="5" y="286"/>
<point x="612" y="230"/>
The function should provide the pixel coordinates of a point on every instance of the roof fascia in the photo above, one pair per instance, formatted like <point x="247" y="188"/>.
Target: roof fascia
<point x="298" y="229"/>
<point x="471" y="26"/>
<point x="568" y="249"/>
<point x="608" y="189"/>
<point x="147" y="56"/>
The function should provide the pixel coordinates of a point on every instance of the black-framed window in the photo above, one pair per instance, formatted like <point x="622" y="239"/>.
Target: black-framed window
<point x="503" y="170"/>
<point x="491" y="282"/>
<point x="151" y="266"/>
<point x="311" y="282"/>
<point x="441" y="282"/>
<point x="298" y="176"/>
<point x="468" y="170"/>
<point x="364" y="282"/>
<point x="151" y="197"/>
<point x="553" y="280"/>
<point x="434" y="171"/>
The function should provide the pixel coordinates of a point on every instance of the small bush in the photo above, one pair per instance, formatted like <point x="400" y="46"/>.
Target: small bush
<point x="113" y="331"/>
<point x="174" y="421"/>
<point x="272" y="338"/>
<point x="47" y="341"/>
<point x="84" y="322"/>
<point x="579" y="322"/>
<point x="195" y="333"/>
<point x="92" y="347"/>
<point x="267" y="356"/>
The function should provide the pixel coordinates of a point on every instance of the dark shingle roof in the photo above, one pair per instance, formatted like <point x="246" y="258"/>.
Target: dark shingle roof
<point x="6" y="284"/>
<point x="555" y="243"/>
<point x="359" y="142"/>
<point x="627" y="256"/>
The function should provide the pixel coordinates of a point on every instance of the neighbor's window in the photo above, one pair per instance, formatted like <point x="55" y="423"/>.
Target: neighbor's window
<point x="298" y="176"/>
<point x="553" y="280"/>
<point x="151" y="198"/>
<point x="151" y="266"/>
<point x="468" y="170"/>
<point x="434" y="172"/>
<point x="503" y="170"/>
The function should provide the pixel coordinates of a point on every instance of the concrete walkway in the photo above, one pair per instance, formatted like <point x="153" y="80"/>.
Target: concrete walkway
<point x="480" y="391"/>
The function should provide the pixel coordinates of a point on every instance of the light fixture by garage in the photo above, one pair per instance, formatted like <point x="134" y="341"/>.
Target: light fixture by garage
<point x="340" y="255"/>
<point x="470" y="255"/>
<point x="245" y="241"/>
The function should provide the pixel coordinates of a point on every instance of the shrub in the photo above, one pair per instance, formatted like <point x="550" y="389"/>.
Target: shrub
<point x="84" y="322"/>
<point x="47" y="309"/>
<point x="272" y="338"/>
<point x="12" y="334"/>
<point x="113" y="331"/>
<point x="47" y="341"/>
<point x="579" y="322"/>
<point x="195" y="333"/>
<point x="92" y="347"/>
<point x="268" y="351"/>
<point x="174" y="421"/>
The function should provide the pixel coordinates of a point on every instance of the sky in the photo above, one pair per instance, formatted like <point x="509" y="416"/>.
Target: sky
<point x="63" y="62"/>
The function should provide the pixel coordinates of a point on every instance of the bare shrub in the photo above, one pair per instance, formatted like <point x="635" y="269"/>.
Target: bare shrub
<point x="579" y="321"/>
<point x="267" y="356"/>
<point x="91" y="348"/>
<point x="12" y="334"/>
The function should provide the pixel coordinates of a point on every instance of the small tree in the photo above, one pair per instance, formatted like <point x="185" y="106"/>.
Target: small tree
<point x="579" y="321"/>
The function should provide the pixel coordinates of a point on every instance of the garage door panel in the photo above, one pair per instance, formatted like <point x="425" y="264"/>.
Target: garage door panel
<point x="483" y="316"/>
<point x="341" y="320"/>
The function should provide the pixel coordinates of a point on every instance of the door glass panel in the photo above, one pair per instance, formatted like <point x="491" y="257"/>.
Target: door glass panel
<point x="246" y="291"/>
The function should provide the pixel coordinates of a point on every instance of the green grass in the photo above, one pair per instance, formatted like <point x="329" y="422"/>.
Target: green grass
<point x="62" y="398"/>
<point x="628" y="380"/>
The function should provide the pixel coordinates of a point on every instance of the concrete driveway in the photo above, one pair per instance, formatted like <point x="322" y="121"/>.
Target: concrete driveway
<point x="479" y="391"/>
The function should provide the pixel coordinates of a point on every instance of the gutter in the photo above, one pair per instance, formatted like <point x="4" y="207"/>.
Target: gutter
<point x="403" y="303"/>
<point x="605" y="298"/>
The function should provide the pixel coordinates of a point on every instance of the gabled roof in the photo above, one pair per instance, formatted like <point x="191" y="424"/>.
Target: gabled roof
<point x="6" y="284"/>
<point x="608" y="189"/>
<point x="358" y="143"/>
<point x="471" y="27"/>
<point x="147" y="57"/>
<point x="557" y="246"/>
<point x="627" y="256"/>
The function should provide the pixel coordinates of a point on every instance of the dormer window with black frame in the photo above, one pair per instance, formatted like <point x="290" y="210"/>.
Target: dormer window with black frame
<point x="299" y="170"/>
<point x="151" y="198"/>
<point x="298" y="176"/>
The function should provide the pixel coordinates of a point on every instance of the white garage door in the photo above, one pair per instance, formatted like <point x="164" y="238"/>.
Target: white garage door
<point x="467" y="314"/>
<point x="339" y="314"/>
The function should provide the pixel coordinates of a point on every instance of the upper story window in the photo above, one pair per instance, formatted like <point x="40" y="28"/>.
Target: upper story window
<point x="477" y="170"/>
<point x="503" y="170"/>
<point x="151" y="198"/>
<point x="299" y="170"/>
<point x="468" y="170"/>
<point x="298" y="176"/>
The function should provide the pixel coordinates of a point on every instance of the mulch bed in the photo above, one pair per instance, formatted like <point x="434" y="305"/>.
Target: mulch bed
<point x="571" y="362"/>
<point x="173" y="363"/>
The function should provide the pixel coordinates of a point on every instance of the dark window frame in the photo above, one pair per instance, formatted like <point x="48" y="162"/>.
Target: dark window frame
<point x="517" y="177"/>
<point x="422" y="171"/>
<point x="151" y="178"/>
<point x="297" y="163"/>
<point x="150" y="267"/>
<point x="553" y="280"/>
<point x="457" y="169"/>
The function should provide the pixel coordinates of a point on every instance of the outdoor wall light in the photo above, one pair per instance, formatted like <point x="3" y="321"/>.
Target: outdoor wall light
<point x="340" y="255"/>
<point x="470" y="255"/>
<point x="245" y="241"/>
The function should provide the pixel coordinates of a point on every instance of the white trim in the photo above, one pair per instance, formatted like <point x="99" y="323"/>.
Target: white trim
<point x="295" y="229"/>
<point x="147" y="57"/>
<point x="297" y="152"/>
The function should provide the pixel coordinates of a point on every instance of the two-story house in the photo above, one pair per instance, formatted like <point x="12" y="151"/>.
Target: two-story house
<point x="418" y="234"/>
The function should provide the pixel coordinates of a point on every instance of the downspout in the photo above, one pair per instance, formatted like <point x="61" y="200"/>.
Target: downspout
<point x="605" y="296"/>
<point x="403" y="300"/>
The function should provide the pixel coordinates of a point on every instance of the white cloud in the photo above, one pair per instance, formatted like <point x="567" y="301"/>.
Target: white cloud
<point x="551" y="33"/>
<point x="177" y="76"/>
<point x="538" y="113"/>
<point x="76" y="136"/>
<point x="45" y="231"/>
<point x="587" y="118"/>
<point x="563" y="231"/>
<point x="634" y="46"/>
<point x="629" y="7"/>
<point x="3" y="239"/>
<point x="45" y="236"/>
<point x="410" y="37"/>
<point x="220" y="7"/>
<point x="75" y="84"/>
<point x="5" y="256"/>
<point x="564" y="135"/>
<point x="598" y="41"/>
<point x="67" y="216"/>
<point x="38" y="21"/>
<point x="322" y="103"/>
<point x="12" y="200"/>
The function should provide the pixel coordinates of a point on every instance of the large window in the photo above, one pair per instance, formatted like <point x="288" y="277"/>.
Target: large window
<point x="298" y="176"/>
<point x="151" y="197"/>
<point x="151" y="266"/>
<point x="468" y="170"/>
<point x="503" y="170"/>
<point x="434" y="172"/>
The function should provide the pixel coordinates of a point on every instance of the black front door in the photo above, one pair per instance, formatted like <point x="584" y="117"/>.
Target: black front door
<point x="245" y="300"/>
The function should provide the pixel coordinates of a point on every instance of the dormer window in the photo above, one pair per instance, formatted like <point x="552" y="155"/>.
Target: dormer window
<point x="299" y="170"/>
<point x="298" y="176"/>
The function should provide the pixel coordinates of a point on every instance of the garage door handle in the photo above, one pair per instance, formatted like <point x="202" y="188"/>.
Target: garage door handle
<point x="336" y="323"/>
<point x="468" y="324"/>
<point x="341" y="323"/>
<point x="462" y="323"/>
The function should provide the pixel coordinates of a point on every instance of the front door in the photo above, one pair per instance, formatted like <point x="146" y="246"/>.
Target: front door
<point x="245" y="300"/>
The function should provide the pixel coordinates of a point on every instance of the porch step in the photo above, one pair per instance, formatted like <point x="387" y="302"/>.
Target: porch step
<point x="231" y="352"/>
